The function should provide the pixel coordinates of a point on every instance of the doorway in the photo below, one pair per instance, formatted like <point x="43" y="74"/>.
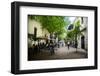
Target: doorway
<point x="83" y="42"/>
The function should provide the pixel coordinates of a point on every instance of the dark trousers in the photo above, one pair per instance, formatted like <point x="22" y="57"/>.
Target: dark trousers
<point x="68" y="47"/>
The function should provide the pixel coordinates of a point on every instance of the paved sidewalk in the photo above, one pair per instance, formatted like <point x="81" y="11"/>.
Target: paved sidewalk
<point x="61" y="53"/>
<point x="70" y="50"/>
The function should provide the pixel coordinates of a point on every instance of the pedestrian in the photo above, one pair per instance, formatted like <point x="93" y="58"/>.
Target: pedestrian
<point x="52" y="49"/>
<point x="68" y="43"/>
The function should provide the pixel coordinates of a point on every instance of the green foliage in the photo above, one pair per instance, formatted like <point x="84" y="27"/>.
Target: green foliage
<point x="78" y="23"/>
<point x="62" y="34"/>
<point x="51" y="23"/>
<point x="54" y="24"/>
<point x="74" y="34"/>
<point x="57" y="25"/>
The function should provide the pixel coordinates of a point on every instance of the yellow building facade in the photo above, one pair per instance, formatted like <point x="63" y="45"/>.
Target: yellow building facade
<point x="34" y="24"/>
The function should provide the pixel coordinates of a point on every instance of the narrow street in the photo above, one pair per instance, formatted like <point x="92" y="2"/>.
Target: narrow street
<point x="61" y="53"/>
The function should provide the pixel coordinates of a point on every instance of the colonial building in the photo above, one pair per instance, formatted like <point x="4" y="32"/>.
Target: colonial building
<point x="83" y="38"/>
<point x="36" y="32"/>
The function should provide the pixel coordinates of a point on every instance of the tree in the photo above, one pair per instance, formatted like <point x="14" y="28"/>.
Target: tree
<point x="74" y="34"/>
<point x="54" y="24"/>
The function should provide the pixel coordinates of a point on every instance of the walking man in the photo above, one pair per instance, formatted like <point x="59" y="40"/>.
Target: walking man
<point x="68" y="43"/>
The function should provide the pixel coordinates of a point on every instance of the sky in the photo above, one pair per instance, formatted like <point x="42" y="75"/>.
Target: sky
<point x="72" y="19"/>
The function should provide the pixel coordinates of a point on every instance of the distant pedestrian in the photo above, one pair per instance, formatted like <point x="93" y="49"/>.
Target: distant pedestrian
<point x="52" y="49"/>
<point x="68" y="43"/>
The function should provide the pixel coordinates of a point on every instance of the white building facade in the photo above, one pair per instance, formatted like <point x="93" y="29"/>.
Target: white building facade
<point x="83" y="38"/>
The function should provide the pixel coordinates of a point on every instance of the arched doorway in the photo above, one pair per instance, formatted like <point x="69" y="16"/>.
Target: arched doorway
<point x="83" y="42"/>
